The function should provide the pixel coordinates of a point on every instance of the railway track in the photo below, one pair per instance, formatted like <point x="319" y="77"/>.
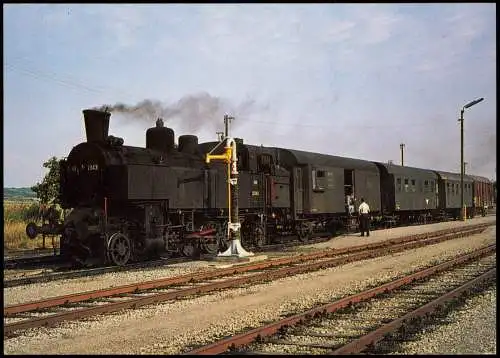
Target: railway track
<point x="63" y="272"/>
<point x="71" y="274"/>
<point x="372" y="321"/>
<point x="76" y="306"/>
<point x="9" y="254"/>
<point x="33" y="262"/>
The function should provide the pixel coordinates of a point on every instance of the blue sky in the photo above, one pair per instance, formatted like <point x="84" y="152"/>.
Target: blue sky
<point x="343" y="79"/>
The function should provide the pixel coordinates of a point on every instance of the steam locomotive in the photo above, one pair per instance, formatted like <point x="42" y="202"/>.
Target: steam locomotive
<point x="131" y="203"/>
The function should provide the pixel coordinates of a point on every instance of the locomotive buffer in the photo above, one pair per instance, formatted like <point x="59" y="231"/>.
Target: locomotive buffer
<point x="233" y="226"/>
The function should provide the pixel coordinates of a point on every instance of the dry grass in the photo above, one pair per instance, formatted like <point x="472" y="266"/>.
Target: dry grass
<point x="14" y="230"/>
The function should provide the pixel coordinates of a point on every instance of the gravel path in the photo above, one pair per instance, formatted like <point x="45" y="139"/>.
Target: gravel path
<point x="473" y="330"/>
<point x="167" y="328"/>
<point x="380" y="235"/>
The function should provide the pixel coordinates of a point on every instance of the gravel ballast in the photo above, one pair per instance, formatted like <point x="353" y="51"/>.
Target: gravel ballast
<point x="472" y="330"/>
<point x="168" y="328"/>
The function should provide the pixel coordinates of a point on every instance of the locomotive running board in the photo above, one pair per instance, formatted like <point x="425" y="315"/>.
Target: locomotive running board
<point x="235" y="250"/>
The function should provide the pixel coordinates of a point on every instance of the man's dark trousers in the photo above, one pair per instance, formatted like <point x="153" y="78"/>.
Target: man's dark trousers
<point x="364" y="224"/>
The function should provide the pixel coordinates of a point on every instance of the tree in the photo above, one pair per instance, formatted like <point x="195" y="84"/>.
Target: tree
<point x="48" y="189"/>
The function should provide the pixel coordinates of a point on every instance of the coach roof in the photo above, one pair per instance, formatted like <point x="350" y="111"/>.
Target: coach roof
<point x="408" y="171"/>
<point x="316" y="159"/>
<point x="479" y="179"/>
<point x="453" y="176"/>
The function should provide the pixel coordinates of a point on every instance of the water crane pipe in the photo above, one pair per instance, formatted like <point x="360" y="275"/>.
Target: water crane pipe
<point x="233" y="224"/>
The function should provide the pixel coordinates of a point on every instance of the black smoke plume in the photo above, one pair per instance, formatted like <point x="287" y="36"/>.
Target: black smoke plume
<point x="191" y="112"/>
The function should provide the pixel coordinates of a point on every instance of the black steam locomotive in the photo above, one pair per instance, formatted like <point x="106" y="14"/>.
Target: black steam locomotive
<point x="131" y="203"/>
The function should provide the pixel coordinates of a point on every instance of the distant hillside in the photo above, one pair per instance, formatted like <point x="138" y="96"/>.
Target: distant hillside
<point x="18" y="194"/>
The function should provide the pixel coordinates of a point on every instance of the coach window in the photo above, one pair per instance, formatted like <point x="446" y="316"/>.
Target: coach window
<point x="318" y="182"/>
<point x="398" y="184"/>
<point x="426" y="186"/>
<point x="406" y="185"/>
<point x="413" y="186"/>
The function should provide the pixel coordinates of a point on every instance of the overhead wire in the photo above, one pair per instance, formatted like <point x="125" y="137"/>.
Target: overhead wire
<point x="52" y="76"/>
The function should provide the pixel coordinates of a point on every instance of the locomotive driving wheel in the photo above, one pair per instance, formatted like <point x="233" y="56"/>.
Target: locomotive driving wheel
<point x="210" y="245"/>
<point x="304" y="231"/>
<point x="119" y="249"/>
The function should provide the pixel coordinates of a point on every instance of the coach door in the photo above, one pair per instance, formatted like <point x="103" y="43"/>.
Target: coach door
<point x="349" y="190"/>
<point x="437" y="193"/>
<point x="298" y="191"/>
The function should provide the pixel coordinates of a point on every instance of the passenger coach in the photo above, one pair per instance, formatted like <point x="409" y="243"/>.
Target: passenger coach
<point x="410" y="192"/>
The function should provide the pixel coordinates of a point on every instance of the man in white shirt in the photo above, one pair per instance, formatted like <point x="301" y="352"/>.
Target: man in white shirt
<point x="364" y="219"/>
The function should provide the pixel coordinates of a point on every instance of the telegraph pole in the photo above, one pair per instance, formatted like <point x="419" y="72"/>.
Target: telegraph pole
<point x="402" y="145"/>
<point x="227" y="119"/>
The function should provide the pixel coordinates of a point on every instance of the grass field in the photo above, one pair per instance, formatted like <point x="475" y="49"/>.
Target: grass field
<point x="16" y="215"/>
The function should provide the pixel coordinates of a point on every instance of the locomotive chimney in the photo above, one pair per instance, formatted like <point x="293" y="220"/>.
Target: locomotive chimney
<point x="96" y="125"/>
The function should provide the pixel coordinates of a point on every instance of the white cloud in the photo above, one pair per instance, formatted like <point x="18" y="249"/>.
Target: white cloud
<point x="379" y="26"/>
<point x="124" y="22"/>
<point x="338" y="31"/>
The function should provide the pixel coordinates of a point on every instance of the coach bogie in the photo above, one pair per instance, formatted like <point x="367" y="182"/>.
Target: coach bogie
<point x="304" y="230"/>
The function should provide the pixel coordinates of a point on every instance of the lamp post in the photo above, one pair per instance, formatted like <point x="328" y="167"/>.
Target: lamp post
<point x="402" y="146"/>
<point x="461" y="120"/>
